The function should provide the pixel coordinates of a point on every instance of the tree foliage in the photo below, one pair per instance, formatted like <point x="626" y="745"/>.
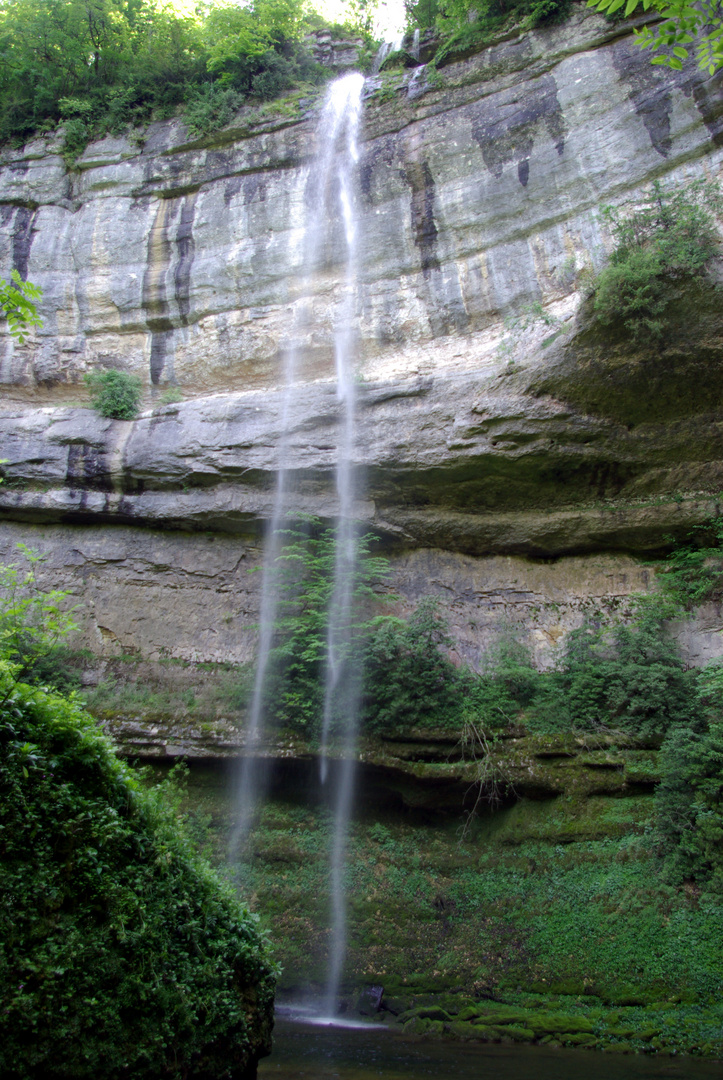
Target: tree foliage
<point x="670" y="238"/>
<point x="689" y="798"/>
<point x="409" y="680"/>
<point x="464" y="24"/>
<point x="304" y="582"/>
<point x="684" y="23"/>
<point x="17" y="301"/>
<point x="97" y="66"/>
<point x="121" y="952"/>
<point x="628" y="678"/>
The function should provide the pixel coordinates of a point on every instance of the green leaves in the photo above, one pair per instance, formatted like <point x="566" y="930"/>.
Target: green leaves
<point x="115" y="394"/>
<point x="17" y="301"/>
<point x="32" y="621"/>
<point x="682" y="24"/>
<point x="671" y="236"/>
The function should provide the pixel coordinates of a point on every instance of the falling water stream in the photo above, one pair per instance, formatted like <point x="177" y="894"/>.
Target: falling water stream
<point x="329" y="237"/>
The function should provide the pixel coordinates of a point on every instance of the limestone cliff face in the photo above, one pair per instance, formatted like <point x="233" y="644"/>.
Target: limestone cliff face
<point x="495" y="422"/>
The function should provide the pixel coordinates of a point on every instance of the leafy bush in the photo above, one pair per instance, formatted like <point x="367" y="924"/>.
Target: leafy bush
<point x="630" y="679"/>
<point x="671" y="238"/>
<point x="689" y="798"/>
<point x="115" y="394"/>
<point x="409" y="680"/>
<point x="211" y="106"/>
<point x="123" y="954"/>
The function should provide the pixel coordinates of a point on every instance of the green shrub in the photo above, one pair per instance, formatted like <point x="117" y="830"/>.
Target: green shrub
<point x="409" y="681"/>
<point x="171" y="396"/>
<point x="630" y="678"/>
<point x="670" y="239"/>
<point x="689" y="798"/>
<point x="115" y="394"/>
<point x="211" y="106"/>
<point x="123" y="954"/>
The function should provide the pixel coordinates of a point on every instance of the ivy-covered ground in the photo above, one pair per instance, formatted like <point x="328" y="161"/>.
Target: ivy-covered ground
<point x="549" y="922"/>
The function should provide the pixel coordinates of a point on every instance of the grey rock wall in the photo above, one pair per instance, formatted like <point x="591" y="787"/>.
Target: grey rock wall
<point x="495" y="422"/>
<point x="179" y="259"/>
<point x="196" y="596"/>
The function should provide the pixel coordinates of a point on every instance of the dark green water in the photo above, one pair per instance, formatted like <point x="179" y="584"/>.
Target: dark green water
<point x="308" y="1052"/>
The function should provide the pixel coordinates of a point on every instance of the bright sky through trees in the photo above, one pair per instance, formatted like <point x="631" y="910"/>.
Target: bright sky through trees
<point x="388" y="23"/>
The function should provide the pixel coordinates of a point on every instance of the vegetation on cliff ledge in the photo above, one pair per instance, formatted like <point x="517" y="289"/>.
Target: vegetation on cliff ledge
<point x="668" y="239"/>
<point x="99" y="66"/>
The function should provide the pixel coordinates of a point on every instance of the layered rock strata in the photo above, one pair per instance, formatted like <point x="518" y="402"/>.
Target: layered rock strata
<point x="498" y="425"/>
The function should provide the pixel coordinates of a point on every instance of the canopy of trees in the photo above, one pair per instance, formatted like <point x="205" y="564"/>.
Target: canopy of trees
<point x="99" y="65"/>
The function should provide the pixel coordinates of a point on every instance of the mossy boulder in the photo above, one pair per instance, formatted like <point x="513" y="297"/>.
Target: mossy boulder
<point x="557" y="1023"/>
<point x="579" y="1038"/>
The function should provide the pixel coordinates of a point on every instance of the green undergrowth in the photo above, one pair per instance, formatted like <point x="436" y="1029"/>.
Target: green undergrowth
<point x="464" y="27"/>
<point x="527" y="917"/>
<point x="105" y="67"/>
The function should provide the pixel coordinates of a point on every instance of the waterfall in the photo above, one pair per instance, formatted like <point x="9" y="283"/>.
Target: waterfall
<point x="415" y="43"/>
<point x="386" y="49"/>
<point x="330" y="232"/>
<point x="343" y="681"/>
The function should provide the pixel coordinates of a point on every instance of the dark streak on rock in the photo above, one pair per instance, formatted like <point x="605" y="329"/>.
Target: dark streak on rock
<point x="186" y="248"/>
<point x="649" y="91"/>
<point x="418" y="176"/>
<point x="382" y="154"/>
<point x="707" y="93"/>
<point x="505" y="128"/>
<point x="155" y="300"/>
<point x="86" y="469"/>
<point x="231" y="190"/>
<point x="22" y="239"/>
<point x="254" y="188"/>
